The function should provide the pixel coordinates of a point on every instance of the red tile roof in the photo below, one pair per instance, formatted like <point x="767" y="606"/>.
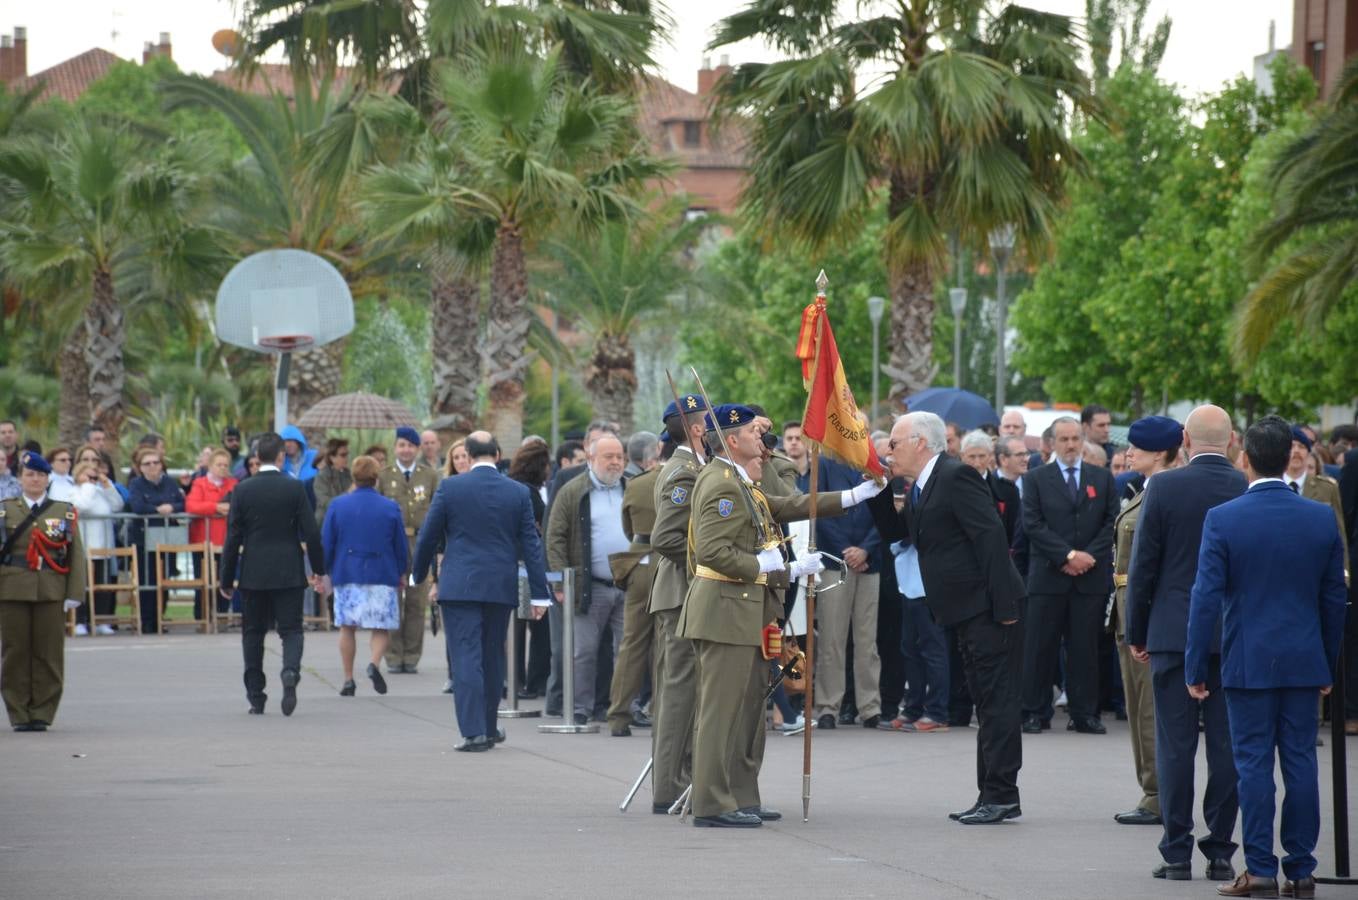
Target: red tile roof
<point x="68" y="80"/>
<point x="264" y="77"/>
<point x="662" y="105"/>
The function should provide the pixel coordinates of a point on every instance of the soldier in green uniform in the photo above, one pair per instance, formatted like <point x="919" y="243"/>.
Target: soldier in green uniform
<point x="1321" y="488"/>
<point x="411" y="483"/>
<point x="42" y="571"/>
<point x="672" y="693"/>
<point x="1154" y="444"/>
<point x="739" y="570"/>
<point x="634" y="571"/>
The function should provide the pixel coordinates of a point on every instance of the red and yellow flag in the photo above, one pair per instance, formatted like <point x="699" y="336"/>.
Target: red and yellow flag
<point x="831" y="418"/>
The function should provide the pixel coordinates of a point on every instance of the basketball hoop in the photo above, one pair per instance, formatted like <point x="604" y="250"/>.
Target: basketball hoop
<point x="286" y="343"/>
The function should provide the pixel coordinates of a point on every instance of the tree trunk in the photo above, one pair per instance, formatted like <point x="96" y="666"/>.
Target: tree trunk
<point x="73" y="411"/>
<point x="455" y="317"/>
<point x="106" y="335"/>
<point x="316" y="374"/>
<point x="612" y="379"/>
<point x="506" y="346"/>
<point x="910" y="358"/>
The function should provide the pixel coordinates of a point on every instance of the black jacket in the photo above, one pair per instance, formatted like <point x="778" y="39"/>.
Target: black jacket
<point x="270" y="519"/>
<point x="963" y="551"/>
<point x="143" y="497"/>
<point x="1054" y="526"/>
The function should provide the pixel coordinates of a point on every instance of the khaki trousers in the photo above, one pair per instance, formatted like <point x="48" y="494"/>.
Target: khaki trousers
<point x="32" y="660"/>
<point x="1136" y="685"/>
<point x="634" y="655"/>
<point x="672" y="700"/>
<point x="728" y="742"/>
<point x="407" y="642"/>
<point x="851" y="605"/>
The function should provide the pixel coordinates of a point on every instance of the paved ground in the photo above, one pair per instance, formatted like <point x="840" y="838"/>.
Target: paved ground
<point x="156" y="784"/>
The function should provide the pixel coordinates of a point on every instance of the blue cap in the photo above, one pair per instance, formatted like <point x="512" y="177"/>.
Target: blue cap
<point x="665" y="437"/>
<point x="693" y="404"/>
<point x="1299" y="434"/>
<point x="30" y="460"/>
<point x="405" y="432"/>
<point x="729" y="415"/>
<point x="1154" y="433"/>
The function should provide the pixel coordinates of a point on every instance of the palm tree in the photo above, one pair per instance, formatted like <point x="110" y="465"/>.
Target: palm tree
<point x="376" y="36"/>
<point x="625" y="277"/>
<point x="1306" y="252"/>
<point x="964" y="131"/>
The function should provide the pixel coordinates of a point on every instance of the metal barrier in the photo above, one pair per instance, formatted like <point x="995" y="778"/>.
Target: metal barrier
<point x="524" y="612"/>
<point x="568" y="725"/>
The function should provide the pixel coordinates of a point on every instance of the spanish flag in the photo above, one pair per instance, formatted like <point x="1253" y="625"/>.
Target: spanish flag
<point x="831" y="418"/>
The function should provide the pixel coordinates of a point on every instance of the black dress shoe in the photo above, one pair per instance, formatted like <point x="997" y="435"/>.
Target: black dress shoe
<point x="379" y="683"/>
<point x="991" y="814"/>
<point x="871" y="721"/>
<point x="1220" y="870"/>
<point x="1086" y="725"/>
<point x="825" y="721"/>
<point x="1032" y="725"/>
<point x="661" y="809"/>
<point x="1302" y="888"/>
<point x="620" y="731"/>
<point x="641" y="720"/>
<point x="497" y="738"/>
<point x="477" y="744"/>
<point x="37" y="725"/>
<point x="581" y="719"/>
<point x="349" y="689"/>
<point x="846" y="717"/>
<point x="525" y="694"/>
<point x="964" y="812"/>
<point x="1137" y="816"/>
<point x="410" y="670"/>
<point x="1173" y="871"/>
<point x="763" y="812"/>
<point x="448" y="686"/>
<point x="733" y="819"/>
<point x="256" y="710"/>
<point x="289" y="679"/>
<point x="23" y="726"/>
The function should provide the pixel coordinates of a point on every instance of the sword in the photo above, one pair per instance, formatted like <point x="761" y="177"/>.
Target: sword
<point x="683" y="418"/>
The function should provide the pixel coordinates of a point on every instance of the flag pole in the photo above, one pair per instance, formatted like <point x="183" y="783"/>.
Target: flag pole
<point x="821" y="284"/>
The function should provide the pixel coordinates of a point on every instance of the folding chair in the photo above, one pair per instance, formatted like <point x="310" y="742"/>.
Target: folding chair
<point x="124" y="584"/>
<point x="202" y="584"/>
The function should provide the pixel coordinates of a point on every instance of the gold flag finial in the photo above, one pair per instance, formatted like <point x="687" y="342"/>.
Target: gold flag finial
<point x="822" y="282"/>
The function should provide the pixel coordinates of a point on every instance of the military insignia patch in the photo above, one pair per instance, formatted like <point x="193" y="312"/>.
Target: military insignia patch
<point x="724" y="508"/>
<point x="678" y="496"/>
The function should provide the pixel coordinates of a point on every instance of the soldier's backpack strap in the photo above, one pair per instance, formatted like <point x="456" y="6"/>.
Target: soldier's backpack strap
<point x="23" y="526"/>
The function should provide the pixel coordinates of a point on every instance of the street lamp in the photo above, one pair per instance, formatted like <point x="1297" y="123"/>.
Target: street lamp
<point x="875" y="307"/>
<point x="1001" y="245"/>
<point x="957" y="297"/>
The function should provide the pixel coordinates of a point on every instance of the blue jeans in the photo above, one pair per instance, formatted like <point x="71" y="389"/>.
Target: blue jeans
<point x="926" y="662"/>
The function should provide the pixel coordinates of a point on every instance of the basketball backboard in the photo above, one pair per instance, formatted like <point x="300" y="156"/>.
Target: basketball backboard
<point x="279" y="300"/>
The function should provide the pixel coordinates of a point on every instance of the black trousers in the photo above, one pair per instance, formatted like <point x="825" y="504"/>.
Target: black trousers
<point x="536" y="665"/>
<point x="990" y="659"/>
<point x="1079" y="617"/>
<point x="260" y="611"/>
<point x="960" y="704"/>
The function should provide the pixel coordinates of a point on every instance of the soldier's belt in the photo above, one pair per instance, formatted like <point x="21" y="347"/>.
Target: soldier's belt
<point x="411" y="532"/>
<point x="1119" y="581"/>
<point x="713" y="575"/>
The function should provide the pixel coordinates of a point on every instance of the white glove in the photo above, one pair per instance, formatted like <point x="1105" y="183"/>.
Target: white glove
<point x="865" y="491"/>
<point x="68" y="605"/>
<point x="770" y="560"/>
<point x="806" y="565"/>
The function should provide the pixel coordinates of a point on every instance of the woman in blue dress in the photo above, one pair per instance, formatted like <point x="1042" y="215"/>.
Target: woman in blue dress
<point x="368" y="557"/>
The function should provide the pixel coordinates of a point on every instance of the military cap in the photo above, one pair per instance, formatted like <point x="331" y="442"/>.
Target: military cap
<point x="406" y="433"/>
<point x="1299" y="434"/>
<point x="1154" y="433"/>
<point x="30" y="460"/>
<point x="729" y="415"/>
<point x="693" y="404"/>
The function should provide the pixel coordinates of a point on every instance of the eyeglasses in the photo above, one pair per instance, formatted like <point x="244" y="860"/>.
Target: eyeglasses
<point x="893" y="443"/>
<point x="151" y="462"/>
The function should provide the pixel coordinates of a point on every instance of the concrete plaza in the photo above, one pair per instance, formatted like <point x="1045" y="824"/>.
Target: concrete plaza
<point x="156" y="784"/>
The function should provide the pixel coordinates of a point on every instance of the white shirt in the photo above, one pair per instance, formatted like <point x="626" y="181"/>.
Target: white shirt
<point x="1263" y="480"/>
<point x="1299" y="481"/>
<point x="1077" y="466"/>
<point x="485" y="464"/>
<point x="737" y="466"/>
<point x="33" y="503"/>
<point x="925" y="472"/>
<point x="267" y="467"/>
<point x="404" y="471"/>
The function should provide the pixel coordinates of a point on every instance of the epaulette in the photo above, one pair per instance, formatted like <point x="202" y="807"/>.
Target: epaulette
<point x="70" y="514"/>
<point x="1327" y="478"/>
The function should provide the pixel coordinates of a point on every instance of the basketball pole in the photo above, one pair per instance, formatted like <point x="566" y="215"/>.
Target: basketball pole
<point x="280" y="391"/>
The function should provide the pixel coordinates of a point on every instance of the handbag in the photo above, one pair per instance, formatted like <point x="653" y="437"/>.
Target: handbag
<point x="795" y="680"/>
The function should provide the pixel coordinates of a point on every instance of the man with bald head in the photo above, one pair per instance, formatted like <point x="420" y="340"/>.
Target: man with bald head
<point x="1163" y="567"/>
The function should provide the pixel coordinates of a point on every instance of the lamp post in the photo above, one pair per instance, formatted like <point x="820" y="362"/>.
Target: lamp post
<point x="556" y="377"/>
<point x="875" y="307"/>
<point x="1001" y="245"/>
<point x="957" y="298"/>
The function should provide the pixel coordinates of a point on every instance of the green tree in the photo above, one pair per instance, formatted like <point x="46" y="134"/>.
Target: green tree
<point x="374" y="36"/>
<point x="1125" y="19"/>
<point x="966" y="130"/>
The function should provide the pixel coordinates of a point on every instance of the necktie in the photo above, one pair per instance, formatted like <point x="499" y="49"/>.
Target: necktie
<point x="914" y="495"/>
<point x="1071" y="485"/>
<point x="407" y="476"/>
<point x="1294" y="487"/>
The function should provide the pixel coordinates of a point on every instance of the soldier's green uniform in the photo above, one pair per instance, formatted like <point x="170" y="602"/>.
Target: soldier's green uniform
<point x="1324" y="489"/>
<point x="728" y="604"/>
<point x="32" y="620"/>
<point x="780" y="476"/>
<point x="633" y="571"/>
<point x="414" y="495"/>
<point x="672" y="693"/>
<point x="1136" y="677"/>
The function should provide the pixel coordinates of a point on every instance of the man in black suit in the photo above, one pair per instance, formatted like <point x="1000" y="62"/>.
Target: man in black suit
<point x="1348" y="496"/>
<point x="1164" y="566"/>
<point x="1068" y="513"/>
<point x="269" y="520"/>
<point x="970" y="584"/>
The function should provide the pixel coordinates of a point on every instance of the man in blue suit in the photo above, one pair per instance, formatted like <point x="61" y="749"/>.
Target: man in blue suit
<point x="1163" y="566"/>
<point x="1271" y="570"/>
<point x="483" y="524"/>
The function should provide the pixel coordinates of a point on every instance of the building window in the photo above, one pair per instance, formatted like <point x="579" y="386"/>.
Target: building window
<point x="1316" y="61"/>
<point x="694" y="213"/>
<point x="693" y="134"/>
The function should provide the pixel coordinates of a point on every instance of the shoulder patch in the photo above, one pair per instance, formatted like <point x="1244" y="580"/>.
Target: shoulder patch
<point x="725" y="507"/>
<point x="678" y="496"/>
<point x="70" y="514"/>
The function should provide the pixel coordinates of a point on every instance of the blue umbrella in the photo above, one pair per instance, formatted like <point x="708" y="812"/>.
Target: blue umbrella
<point x="954" y="405"/>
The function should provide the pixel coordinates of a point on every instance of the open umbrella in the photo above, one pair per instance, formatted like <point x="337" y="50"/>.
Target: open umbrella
<point x="358" y="410"/>
<point x="954" y="405"/>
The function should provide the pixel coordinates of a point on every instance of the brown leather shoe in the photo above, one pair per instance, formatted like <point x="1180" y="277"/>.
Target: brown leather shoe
<point x="1247" y="885"/>
<point x="1351" y="726"/>
<point x="1301" y="888"/>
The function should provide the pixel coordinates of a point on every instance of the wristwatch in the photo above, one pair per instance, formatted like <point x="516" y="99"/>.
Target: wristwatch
<point x="1070" y="556"/>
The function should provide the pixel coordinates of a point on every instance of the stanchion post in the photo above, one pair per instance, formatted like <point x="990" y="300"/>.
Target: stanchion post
<point x="512" y="655"/>
<point x="568" y="725"/>
<point x="1339" y="779"/>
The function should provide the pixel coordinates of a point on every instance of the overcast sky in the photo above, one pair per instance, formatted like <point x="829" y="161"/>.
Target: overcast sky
<point x="1212" y="40"/>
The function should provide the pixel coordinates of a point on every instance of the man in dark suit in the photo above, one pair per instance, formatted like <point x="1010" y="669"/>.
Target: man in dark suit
<point x="969" y="583"/>
<point x="1163" y="566"/>
<point x="1270" y="594"/>
<point x="483" y="523"/>
<point x="1068" y="513"/>
<point x="1348" y="496"/>
<point x="269" y="520"/>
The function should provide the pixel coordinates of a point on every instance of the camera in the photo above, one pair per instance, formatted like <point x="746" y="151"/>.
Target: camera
<point x="769" y="439"/>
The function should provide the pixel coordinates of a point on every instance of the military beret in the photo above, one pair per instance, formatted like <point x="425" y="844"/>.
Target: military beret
<point x="406" y="433"/>
<point x="1154" y="433"/>
<point x="729" y="415"/>
<point x="665" y="437"/>
<point x="30" y="460"/>
<point x="1299" y="434"/>
<point x="692" y="404"/>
